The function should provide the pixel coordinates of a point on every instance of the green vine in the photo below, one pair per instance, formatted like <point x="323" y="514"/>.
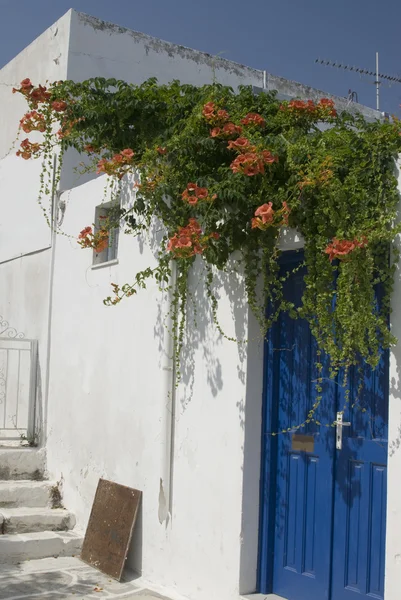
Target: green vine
<point x="225" y="174"/>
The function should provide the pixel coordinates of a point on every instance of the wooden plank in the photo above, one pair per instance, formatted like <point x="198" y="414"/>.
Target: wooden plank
<point x="111" y="523"/>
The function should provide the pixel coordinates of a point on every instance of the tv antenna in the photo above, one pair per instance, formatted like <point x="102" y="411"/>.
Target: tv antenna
<point x="378" y="76"/>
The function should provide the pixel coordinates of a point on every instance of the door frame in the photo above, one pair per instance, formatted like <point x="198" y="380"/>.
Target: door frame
<point x="268" y="457"/>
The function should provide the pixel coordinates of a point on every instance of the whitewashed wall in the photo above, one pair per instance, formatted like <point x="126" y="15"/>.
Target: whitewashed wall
<point x="108" y="413"/>
<point x="25" y="237"/>
<point x="99" y="49"/>
<point x="23" y="228"/>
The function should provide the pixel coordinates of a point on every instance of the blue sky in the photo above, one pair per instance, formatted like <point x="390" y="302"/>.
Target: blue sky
<point x="282" y="36"/>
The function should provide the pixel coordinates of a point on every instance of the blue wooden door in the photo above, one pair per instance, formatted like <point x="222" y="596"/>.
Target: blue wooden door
<point x="323" y="509"/>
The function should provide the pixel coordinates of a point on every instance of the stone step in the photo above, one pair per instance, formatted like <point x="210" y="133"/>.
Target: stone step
<point x="22" y="463"/>
<point x="42" y="544"/>
<point x="26" y="520"/>
<point x="25" y="493"/>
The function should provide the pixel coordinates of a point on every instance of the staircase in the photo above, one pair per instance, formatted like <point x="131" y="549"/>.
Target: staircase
<point x="32" y="524"/>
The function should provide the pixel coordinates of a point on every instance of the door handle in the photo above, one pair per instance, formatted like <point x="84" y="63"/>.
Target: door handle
<point x="340" y="423"/>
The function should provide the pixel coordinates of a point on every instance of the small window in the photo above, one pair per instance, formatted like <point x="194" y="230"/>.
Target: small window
<point x="110" y="250"/>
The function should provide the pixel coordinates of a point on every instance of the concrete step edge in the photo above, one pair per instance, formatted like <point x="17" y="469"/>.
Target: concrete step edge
<point x="44" y="544"/>
<point x="25" y="520"/>
<point x="14" y="493"/>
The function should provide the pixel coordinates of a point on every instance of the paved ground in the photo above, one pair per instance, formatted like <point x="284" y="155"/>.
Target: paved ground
<point x="65" y="579"/>
<point x="69" y="578"/>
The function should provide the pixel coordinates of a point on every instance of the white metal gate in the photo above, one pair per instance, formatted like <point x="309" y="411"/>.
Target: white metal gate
<point x="18" y="368"/>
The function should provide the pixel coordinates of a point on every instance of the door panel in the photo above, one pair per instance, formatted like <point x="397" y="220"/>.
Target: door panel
<point x="304" y="488"/>
<point x="360" y="489"/>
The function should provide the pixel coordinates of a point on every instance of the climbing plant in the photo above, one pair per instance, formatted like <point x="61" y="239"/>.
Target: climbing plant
<point x="226" y="172"/>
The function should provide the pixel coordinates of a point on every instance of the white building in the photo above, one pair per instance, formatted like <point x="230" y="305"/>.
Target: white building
<point x="104" y="405"/>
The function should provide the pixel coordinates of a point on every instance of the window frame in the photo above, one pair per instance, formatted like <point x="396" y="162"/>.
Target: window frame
<point x="110" y="254"/>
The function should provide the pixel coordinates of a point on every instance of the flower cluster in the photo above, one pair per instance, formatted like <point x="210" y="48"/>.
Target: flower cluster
<point x="26" y="87"/>
<point x="228" y="130"/>
<point x="323" y="109"/>
<point x="265" y="216"/>
<point x="253" y="163"/>
<point x="341" y="248"/>
<point x="213" y="115"/>
<point x="189" y="240"/>
<point x="98" y="241"/>
<point x="241" y="144"/>
<point x="59" y="105"/>
<point x="34" y="95"/>
<point x="326" y="107"/>
<point x="90" y="148"/>
<point x="33" y="121"/>
<point x="193" y="193"/>
<point x="300" y="106"/>
<point x="29" y="149"/>
<point x="253" y="119"/>
<point x="118" y="165"/>
<point x="218" y="118"/>
<point x="84" y="237"/>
